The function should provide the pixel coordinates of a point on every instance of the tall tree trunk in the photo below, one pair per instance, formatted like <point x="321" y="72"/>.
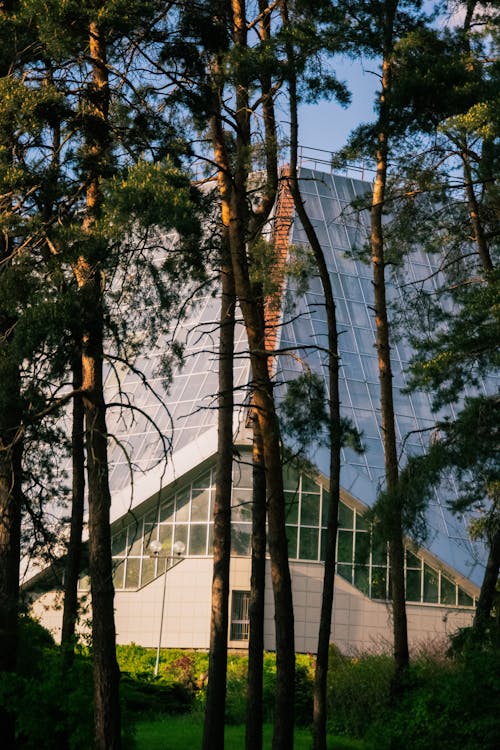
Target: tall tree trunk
<point x="11" y="448"/>
<point x="487" y="593"/>
<point x="488" y="587"/>
<point x="213" y="730"/>
<point x="263" y="401"/>
<point x="278" y="551"/>
<point x="395" y="530"/>
<point x="475" y="216"/>
<point x="90" y="282"/>
<point x="254" y="717"/>
<point x="335" y="432"/>
<point x="74" y="554"/>
<point x="11" y="452"/>
<point x="254" y="711"/>
<point x="106" y="672"/>
<point x="233" y="189"/>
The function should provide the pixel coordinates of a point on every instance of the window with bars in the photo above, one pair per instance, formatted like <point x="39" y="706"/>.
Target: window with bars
<point x="240" y="624"/>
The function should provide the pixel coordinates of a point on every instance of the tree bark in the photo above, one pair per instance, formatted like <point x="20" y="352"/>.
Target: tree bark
<point x="488" y="587"/>
<point x="475" y="217"/>
<point x="262" y="390"/>
<point x="106" y="672"/>
<point x="74" y="554"/>
<point x="233" y="190"/>
<point x="213" y="729"/>
<point x="325" y="624"/>
<point x="11" y="452"/>
<point x="487" y="593"/>
<point x="11" y="448"/>
<point x="395" y="532"/>
<point x="254" y="717"/>
<point x="90" y="282"/>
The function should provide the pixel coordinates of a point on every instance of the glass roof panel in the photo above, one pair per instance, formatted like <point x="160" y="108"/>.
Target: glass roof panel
<point x="351" y="280"/>
<point x="180" y="410"/>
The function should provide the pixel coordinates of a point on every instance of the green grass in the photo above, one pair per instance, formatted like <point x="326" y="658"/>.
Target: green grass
<point x="174" y="732"/>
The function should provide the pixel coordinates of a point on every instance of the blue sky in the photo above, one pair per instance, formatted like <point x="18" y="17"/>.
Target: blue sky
<point x="327" y="125"/>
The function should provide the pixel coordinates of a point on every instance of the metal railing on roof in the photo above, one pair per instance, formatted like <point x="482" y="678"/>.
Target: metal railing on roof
<point x="308" y="156"/>
<point x="319" y="158"/>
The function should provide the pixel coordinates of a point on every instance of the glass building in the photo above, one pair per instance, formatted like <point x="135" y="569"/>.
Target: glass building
<point x="172" y="501"/>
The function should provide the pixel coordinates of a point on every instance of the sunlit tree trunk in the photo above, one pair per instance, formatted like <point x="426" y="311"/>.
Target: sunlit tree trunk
<point x="263" y="402"/>
<point x="395" y="530"/>
<point x="213" y="730"/>
<point x="90" y="282"/>
<point x="480" y="239"/>
<point x="233" y="189"/>
<point x="321" y="669"/>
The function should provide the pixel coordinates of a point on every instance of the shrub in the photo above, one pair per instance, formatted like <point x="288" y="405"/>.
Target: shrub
<point x="186" y="667"/>
<point x="181" y="682"/>
<point x="53" y="705"/>
<point x="141" y="696"/>
<point x="237" y="687"/>
<point x="178" y="688"/>
<point x="449" y="705"/>
<point x="236" y="703"/>
<point x="358" y="690"/>
<point x="269" y="686"/>
<point x="136" y="660"/>
<point x="304" y="683"/>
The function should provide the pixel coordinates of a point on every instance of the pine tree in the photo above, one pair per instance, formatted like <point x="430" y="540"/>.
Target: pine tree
<point x="77" y="216"/>
<point x="213" y="729"/>
<point x="446" y="90"/>
<point x="334" y="420"/>
<point x="228" y="71"/>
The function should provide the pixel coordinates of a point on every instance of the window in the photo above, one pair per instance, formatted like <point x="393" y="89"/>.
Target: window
<point x="240" y="624"/>
<point x="186" y="516"/>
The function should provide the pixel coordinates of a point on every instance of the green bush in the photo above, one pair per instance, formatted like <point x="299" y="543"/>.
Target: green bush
<point x="236" y="703"/>
<point x="449" y="705"/>
<point x="304" y="683"/>
<point x="52" y="704"/>
<point x="237" y="687"/>
<point x="358" y="690"/>
<point x="182" y="677"/>
<point x="188" y="668"/>
<point x="136" y="660"/>
<point x="178" y="688"/>
<point x="181" y="682"/>
<point x="142" y="697"/>
<point x="269" y="686"/>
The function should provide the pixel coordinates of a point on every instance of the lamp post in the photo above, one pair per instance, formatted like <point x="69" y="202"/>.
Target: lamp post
<point x="178" y="549"/>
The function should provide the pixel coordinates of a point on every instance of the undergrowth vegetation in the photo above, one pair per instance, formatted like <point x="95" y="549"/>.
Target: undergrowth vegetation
<point x="449" y="703"/>
<point x="358" y="690"/>
<point x="52" y="702"/>
<point x="182" y="679"/>
<point x="451" y="700"/>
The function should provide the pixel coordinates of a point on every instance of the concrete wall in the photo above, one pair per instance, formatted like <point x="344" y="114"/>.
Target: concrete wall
<point x="186" y="618"/>
<point x="358" y="623"/>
